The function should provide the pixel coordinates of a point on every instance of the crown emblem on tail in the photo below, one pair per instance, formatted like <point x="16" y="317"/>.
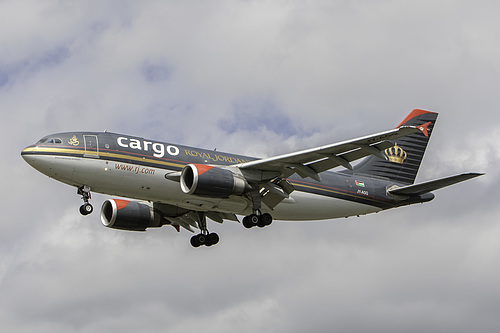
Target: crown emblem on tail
<point x="396" y="154"/>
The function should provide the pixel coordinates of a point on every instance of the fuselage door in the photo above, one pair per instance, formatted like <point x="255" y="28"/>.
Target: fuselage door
<point x="91" y="146"/>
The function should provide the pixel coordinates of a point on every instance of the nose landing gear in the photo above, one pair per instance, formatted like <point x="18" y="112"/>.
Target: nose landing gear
<point x="86" y="208"/>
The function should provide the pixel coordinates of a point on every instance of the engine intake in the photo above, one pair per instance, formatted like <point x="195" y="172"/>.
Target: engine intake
<point x="206" y="180"/>
<point x="129" y="215"/>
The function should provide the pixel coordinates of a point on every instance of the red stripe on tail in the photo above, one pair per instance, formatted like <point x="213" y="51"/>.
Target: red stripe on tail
<point x="413" y="114"/>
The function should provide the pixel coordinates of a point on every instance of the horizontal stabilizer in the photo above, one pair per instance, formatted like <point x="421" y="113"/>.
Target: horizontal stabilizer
<point x="433" y="185"/>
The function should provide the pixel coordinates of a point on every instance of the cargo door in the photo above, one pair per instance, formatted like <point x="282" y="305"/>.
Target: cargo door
<point x="91" y="146"/>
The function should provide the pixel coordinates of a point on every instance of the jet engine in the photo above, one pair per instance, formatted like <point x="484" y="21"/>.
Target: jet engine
<point x="129" y="215"/>
<point x="206" y="180"/>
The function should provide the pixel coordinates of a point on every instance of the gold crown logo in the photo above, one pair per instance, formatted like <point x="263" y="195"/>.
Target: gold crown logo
<point x="396" y="154"/>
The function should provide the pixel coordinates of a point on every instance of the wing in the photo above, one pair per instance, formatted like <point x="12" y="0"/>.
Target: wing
<point x="311" y="162"/>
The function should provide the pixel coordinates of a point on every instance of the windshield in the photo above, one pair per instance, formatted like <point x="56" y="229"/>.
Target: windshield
<point x="49" y="140"/>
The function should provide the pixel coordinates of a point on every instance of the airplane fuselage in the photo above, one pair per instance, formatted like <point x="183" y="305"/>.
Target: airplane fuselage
<point x="133" y="167"/>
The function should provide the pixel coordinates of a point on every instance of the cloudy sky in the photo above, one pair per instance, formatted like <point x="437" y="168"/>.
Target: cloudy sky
<point x="257" y="78"/>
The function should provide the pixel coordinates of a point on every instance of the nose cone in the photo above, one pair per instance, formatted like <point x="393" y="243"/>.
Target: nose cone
<point x="28" y="155"/>
<point x="32" y="156"/>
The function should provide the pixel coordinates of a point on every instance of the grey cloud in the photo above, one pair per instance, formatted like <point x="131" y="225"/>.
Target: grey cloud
<point x="209" y="75"/>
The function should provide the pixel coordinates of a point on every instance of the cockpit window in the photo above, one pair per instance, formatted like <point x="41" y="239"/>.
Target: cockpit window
<point x="49" y="140"/>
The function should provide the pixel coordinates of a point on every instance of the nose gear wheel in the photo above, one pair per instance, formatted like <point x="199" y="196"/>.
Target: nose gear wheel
<point x="86" y="208"/>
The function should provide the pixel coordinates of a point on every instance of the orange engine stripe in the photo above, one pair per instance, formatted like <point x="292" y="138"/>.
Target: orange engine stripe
<point x="121" y="203"/>
<point x="202" y="168"/>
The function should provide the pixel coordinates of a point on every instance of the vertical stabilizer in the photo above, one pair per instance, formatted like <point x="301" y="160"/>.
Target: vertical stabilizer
<point x="404" y="158"/>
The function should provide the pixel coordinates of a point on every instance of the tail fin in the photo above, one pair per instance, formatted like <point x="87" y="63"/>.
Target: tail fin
<point x="403" y="160"/>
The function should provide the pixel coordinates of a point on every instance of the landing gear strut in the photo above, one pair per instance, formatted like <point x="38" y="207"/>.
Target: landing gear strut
<point x="257" y="218"/>
<point x="86" y="208"/>
<point x="205" y="237"/>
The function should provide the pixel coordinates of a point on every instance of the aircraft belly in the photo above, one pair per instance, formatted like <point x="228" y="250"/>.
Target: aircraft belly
<point x="145" y="183"/>
<point x="308" y="206"/>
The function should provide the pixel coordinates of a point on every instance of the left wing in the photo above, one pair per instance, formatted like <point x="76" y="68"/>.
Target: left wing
<point x="311" y="162"/>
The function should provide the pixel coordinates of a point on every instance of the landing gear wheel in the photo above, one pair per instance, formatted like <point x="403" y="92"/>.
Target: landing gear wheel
<point x="195" y="242"/>
<point x="251" y="221"/>
<point x="254" y="219"/>
<point x="212" y="239"/>
<point x="86" y="209"/>
<point x="205" y="237"/>
<point x="266" y="219"/>
<point x="202" y="239"/>
<point x="198" y="240"/>
<point x="261" y="221"/>
<point x="247" y="223"/>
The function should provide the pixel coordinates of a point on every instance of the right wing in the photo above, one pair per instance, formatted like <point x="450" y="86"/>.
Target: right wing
<point x="311" y="162"/>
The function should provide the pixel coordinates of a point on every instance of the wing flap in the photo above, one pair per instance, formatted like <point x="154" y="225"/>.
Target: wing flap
<point x="275" y="192"/>
<point x="419" y="189"/>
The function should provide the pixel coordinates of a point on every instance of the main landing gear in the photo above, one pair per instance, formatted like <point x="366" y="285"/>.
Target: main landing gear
<point x="257" y="218"/>
<point x="205" y="237"/>
<point x="86" y="208"/>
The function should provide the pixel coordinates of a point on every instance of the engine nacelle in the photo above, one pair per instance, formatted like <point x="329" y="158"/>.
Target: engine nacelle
<point x="129" y="215"/>
<point x="210" y="181"/>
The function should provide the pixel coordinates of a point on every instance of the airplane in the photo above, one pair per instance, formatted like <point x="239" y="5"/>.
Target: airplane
<point x="161" y="183"/>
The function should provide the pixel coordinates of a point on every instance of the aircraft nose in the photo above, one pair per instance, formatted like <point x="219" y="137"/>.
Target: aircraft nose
<point x="27" y="155"/>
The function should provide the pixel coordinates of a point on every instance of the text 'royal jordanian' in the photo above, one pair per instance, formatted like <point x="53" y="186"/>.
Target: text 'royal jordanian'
<point x="183" y="186"/>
